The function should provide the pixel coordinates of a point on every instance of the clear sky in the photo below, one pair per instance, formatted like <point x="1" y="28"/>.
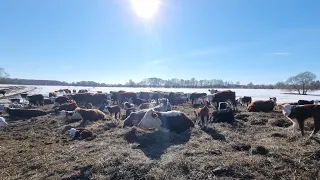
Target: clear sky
<point x="263" y="41"/>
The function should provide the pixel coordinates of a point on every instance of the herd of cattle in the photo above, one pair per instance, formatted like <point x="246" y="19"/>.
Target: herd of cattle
<point x="153" y="110"/>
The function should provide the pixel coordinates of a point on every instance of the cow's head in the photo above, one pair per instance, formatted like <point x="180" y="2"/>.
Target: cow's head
<point x="150" y="120"/>
<point x="72" y="132"/>
<point x="286" y="109"/>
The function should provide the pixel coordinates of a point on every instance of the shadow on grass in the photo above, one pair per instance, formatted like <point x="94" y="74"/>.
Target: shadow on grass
<point x="214" y="134"/>
<point x="154" y="144"/>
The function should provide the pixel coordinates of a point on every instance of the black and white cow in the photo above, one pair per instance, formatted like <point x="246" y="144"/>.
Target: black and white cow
<point x="174" y="121"/>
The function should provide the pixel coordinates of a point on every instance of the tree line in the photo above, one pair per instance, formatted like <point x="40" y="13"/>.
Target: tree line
<point x="300" y="83"/>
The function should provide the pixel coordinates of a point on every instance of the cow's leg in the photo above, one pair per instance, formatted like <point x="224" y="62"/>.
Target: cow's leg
<point x="316" y="127"/>
<point x="115" y="115"/>
<point x="301" y="125"/>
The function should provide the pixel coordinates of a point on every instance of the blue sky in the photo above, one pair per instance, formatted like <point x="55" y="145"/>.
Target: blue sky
<point x="105" y="41"/>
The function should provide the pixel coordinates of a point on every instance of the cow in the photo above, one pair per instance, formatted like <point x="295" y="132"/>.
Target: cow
<point x="36" y="99"/>
<point x="80" y="133"/>
<point x="303" y="102"/>
<point x="174" y="121"/>
<point x="66" y="107"/>
<point x="223" y="96"/>
<point x="3" y="92"/>
<point x="61" y="100"/>
<point x="74" y="91"/>
<point x="245" y="100"/>
<point x="24" y="95"/>
<point x="82" y="91"/>
<point x="125" y="96"/>
<point x="114" y="110"/>
<point x="138" y="101"/>
<point x="85" y="98"/>
<point x="134" y="118"/>
<point x="99" y="92"/>
<point x="196" y="96"/>
<point x="69" y="115"/>
<point x="213" y="91"/>
<point x="115" y="97"/>
<point x="89" y="114"/>
<point x="204" y="114"/>
<point x="264" y="106"/>
<point x="89" y="106"/>
<point x="24" y="113"/>
<point x="144" y="95"/>
<point x="223" y="115"/>
<point x="301" y="113"/>
<point x="52" y="94"/>
<point x="67" y="91"/>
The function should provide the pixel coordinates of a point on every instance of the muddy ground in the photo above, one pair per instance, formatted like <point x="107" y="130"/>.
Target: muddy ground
<point x="257" y="146"/>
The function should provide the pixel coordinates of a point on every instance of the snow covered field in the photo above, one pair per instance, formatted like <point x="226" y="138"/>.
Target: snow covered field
<point x="256" y="94"/>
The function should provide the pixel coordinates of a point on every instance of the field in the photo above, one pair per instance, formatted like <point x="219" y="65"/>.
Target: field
<point x="256" y="94"/>
<point x="257" y="146"/>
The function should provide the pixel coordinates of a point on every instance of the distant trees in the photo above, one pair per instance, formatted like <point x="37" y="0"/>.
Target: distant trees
<point x="3" y="75"/>
<point x="301" y="83"/>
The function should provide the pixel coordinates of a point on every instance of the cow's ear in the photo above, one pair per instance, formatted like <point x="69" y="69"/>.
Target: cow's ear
<point x="154" y="115"/>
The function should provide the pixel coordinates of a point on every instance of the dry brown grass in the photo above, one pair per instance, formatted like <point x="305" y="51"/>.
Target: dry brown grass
<point x="257" y="146"/>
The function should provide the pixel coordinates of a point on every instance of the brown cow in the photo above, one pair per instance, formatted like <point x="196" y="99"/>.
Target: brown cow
<point x="301" y="113"/>
<point x="114" y="110"/>
<point x="224" y="96"/>
<point x="203" y="113"/>
<point x="52" y="94"/>
<point x="264" y="106"/>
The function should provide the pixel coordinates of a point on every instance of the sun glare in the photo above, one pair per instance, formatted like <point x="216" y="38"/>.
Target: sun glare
<point x="145" y="9"/>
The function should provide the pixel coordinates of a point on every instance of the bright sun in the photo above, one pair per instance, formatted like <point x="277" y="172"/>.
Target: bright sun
<point x="146" y="9"/>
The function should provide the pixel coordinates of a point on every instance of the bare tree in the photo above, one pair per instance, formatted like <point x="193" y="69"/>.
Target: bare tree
<point x="3" y="75"/>
<point x="302" y="83"/>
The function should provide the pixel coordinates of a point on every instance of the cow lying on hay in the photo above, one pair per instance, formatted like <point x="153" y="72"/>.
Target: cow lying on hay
<point x="174" y="121"/>
<point x="264" y="106"/>
<point x="80" y="133"/>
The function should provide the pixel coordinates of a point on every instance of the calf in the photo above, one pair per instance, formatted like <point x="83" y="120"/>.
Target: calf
<point x="223" y="115"/>
<point x="203" y="113"/>
<point x="80" y="133"/>
<point x="245" y="100"/>
<point x="301" y="113"/>
<point x="3" y="92"/>
<point x="90" y="114"/>
<point x="36" y="99"/>
<point x="114" y="110"/>
<point x="174" y="121"/>
<point x="61" y="100"/>
<point x="52" y="94"/>
<point x="134" y="118"/>
<point x="196" y="96"/>
<point x="66" y="107"/>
